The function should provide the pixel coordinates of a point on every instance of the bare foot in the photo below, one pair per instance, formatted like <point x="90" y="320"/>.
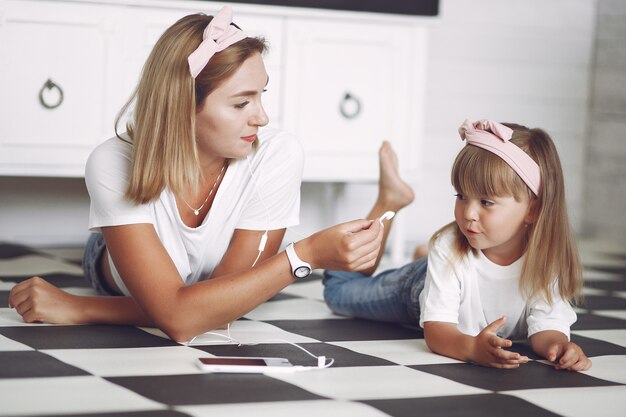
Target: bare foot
<point x="420" y="252"/>
<point x="393" y="192"/>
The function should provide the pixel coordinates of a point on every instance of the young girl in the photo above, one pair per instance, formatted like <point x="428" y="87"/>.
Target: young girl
<point x="193" y="195"/>
<point x="507" y="268"/>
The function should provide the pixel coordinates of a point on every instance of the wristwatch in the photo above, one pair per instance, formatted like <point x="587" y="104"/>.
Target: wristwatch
<point x="299" y="268"/>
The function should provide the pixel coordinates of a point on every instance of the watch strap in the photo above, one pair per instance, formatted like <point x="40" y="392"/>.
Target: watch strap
<point x="299" y="268"/>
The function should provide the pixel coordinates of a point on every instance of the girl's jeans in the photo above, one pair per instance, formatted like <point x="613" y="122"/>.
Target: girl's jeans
<point x="391" y="296"/>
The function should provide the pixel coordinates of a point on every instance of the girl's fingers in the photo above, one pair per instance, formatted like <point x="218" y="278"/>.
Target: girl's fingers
<point x="569" y="358"/>
<point x="494" y="326"/>
<point x="504" y="365"/>
<point x="499" y="342"/>
<point x="554" y="353"/>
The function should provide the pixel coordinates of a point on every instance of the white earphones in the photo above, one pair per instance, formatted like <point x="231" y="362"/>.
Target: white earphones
<point x="387" y="216"/>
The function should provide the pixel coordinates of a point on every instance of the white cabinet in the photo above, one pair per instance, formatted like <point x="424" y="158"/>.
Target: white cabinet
<point x="350" y="85"/>
<point x="53" y="82"/>
<point x="342" y="84"/>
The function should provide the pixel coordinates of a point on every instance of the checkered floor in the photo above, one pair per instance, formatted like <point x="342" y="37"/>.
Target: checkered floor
<point x="379" y="370"/>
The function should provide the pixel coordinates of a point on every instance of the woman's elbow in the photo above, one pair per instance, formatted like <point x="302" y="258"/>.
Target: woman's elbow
<point x="177" y="330"/>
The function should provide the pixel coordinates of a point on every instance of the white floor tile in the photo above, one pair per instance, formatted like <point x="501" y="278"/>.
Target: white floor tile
<point x="376" y="382"/>
<point x="7" y="345"/>
<point x="615" y="336"/>
<point x="313" y="289"/>
<point x="284" y="409"/>
<point x="85" y="291"/>
<point x="10" y="317"/>
<point x="292" y="309"/>
<point x="403" y="352"/>
<point x="594" y="291"/>
<point x="578" y="402"/>
<point x="616" y="314"/>
<point x="37" y="265"/>
<point x="610" y="368"/>
<point x="6" y="285"/>
<point x="244" y="331"/>
<point x="68" y="395"/>
<point x="171" y="360"/>
<point x="72" y="253"/>
<point x="593" y="275"/>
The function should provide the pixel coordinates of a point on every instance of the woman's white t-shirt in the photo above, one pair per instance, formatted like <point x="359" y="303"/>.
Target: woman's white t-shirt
<point x="261" y="193"/>
<point x="474" y="292"/>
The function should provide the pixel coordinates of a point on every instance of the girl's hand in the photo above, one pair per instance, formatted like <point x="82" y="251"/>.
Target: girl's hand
<point x="489" y="349"/>
<point x="351" y="246"/>
<point x="568" y="355"/>
<point x="38" y="301"/>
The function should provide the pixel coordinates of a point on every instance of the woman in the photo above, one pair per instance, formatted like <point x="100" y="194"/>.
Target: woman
<point x="193" y="196"/>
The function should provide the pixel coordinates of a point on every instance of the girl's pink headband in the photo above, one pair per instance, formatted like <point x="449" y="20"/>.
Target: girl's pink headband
<point x="218" y="35"/>
<point x="495" y="138"/>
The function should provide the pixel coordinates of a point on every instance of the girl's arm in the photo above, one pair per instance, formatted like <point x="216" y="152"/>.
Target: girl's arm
<point x="555" y="347"/>
<point x="485" y="349"/>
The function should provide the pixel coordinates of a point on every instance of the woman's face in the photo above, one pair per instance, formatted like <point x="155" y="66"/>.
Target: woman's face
<point x="230" y="116"/>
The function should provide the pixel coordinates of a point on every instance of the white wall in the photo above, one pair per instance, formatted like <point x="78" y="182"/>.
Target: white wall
<point x="521" y="61"/>
<point x="606" y="152"/>
<point x="528" y="62"/>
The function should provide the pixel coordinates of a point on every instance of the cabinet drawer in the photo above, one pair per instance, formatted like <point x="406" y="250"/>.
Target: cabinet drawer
<point x="347" y="90"/>
<point x="53" y="82"/>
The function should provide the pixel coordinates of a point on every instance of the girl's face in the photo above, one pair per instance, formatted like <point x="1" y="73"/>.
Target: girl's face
<point x="230" y="116"/>
<point x="495" y="225"/>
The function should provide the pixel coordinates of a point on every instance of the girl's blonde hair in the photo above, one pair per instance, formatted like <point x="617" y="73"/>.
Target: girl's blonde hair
<point x="552" y="259"/>
<point x="162" y="128"/>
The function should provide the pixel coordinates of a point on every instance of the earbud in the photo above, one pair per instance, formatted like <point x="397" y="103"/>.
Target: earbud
<point x="387" y="216"/>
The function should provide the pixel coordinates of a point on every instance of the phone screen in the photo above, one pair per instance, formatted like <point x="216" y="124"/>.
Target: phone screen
<point x="234" y="361"/>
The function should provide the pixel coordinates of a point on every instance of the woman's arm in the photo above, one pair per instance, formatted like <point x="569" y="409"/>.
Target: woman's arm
<point x="36" y="300"/>
<point x="185" y="311"/>
<point x="244" y="248"/>
<point x="485" y="349"/>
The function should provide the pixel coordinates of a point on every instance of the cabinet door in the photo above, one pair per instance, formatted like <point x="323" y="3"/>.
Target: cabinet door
<point x="348" y="89"/>
<point x="53" y="82"/>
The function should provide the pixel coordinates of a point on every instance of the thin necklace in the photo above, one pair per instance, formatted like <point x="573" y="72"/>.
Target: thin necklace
<point x="197" y="211"/>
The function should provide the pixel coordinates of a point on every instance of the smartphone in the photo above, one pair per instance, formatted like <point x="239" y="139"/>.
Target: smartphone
<point x="246" y="365"/>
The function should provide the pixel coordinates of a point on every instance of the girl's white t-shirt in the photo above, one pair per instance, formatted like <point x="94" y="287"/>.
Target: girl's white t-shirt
<point x="264" y="194"/>
<point x="474" y="292"/>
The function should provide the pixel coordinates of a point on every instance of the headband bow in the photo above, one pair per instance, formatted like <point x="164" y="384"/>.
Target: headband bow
<point x="495" y="138"/>
<point x="218" y="35"/>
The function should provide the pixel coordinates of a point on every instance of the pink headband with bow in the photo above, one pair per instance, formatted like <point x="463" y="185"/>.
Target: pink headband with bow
<point x="495" y="138"/>
<point x="218" y="35"/>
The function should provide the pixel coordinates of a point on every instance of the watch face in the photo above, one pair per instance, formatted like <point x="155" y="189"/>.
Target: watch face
<point x="302" y="272"/>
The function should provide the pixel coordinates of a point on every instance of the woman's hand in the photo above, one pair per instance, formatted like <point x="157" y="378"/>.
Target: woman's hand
<point x="351" y="246"/>
<point x="489" y="348"/>
<point x="38" y="301"/>
<point x="568" y="355"/>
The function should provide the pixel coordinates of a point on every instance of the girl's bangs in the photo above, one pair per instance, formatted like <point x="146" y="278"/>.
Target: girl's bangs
<point x="478" y="172"/>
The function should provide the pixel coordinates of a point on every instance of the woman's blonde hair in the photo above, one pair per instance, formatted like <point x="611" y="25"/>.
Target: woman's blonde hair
<point x="552" y="259"/>
<point x="162" y="127"/>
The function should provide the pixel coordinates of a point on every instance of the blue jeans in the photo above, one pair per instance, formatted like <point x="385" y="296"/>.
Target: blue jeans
<point x="94" y="249"/>
<point x="391" y="296"/>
